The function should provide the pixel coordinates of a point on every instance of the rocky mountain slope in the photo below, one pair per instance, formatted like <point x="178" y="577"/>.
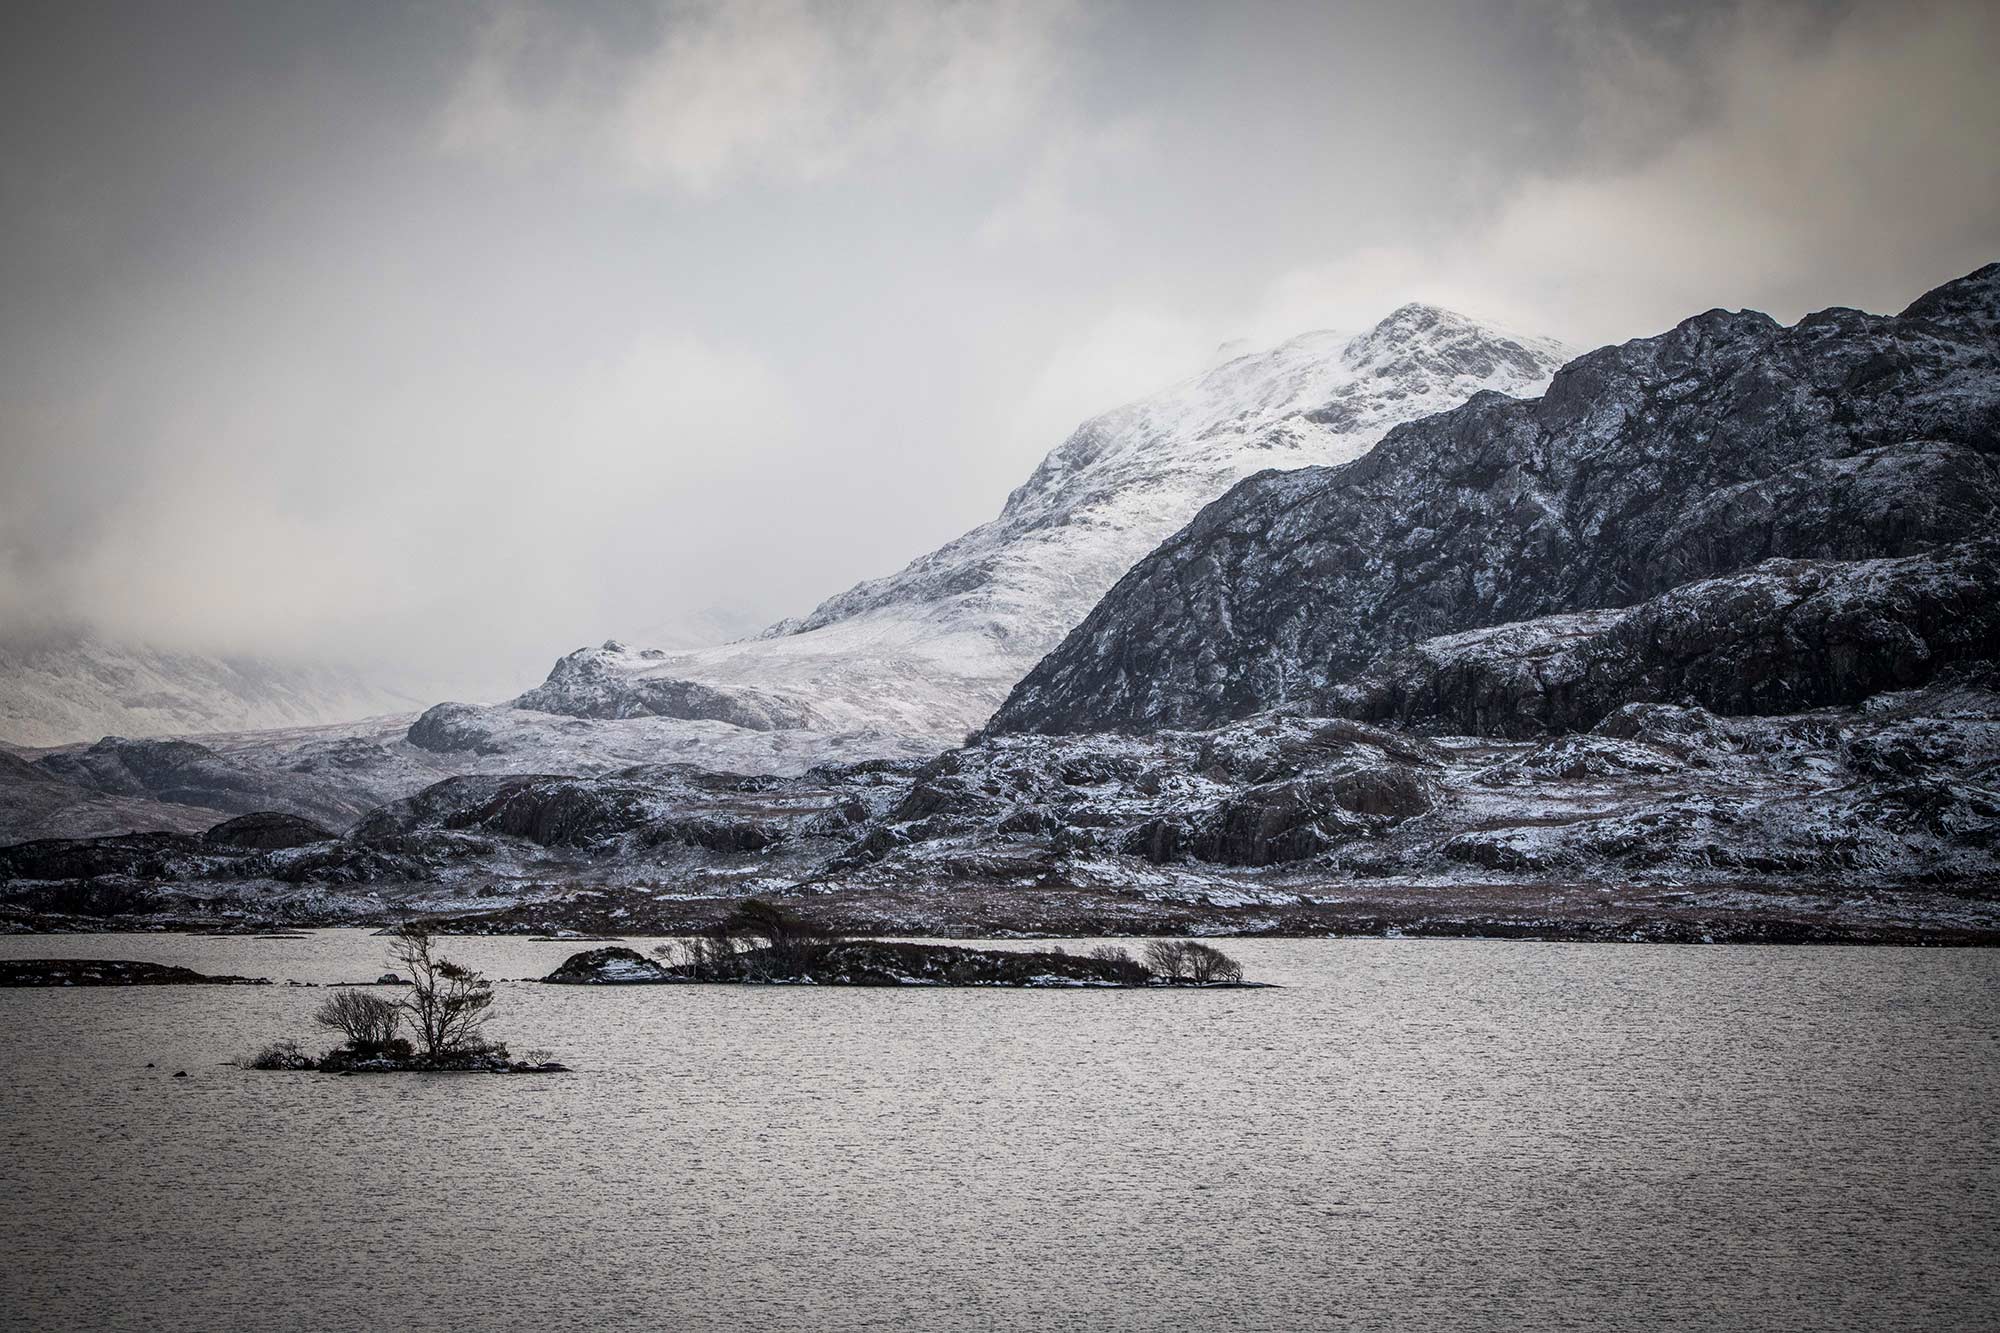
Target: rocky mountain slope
<point x="915" y="660"/>
<point x="1645" y="468"/>
<point x="58" y="687"/>
<point x="1878" y="822"/>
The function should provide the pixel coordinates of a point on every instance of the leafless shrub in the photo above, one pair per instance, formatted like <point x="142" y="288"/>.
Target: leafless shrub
<point x="281" y="1055"/>
<point x="779" y="928"/>
<point x="1123" y="965"/>
<point x="1191" y="961"/>
<point x="369" y="1022"/>
<point x="702" y="957"/>
<point x="1167" y="959"/>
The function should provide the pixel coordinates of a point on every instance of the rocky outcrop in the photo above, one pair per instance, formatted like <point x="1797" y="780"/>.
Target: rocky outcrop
<point x="1266" y="792"/>
<point x="37" y="804"/>
<point x="1646" y="466"/>
<point x="1901" y="792"/>
<point x="1784" y="636"/>
<point x="614" y="966"/>
<point x="266" y="831"/>
<point x="648" y="806"/>
<point x="184" y="773"/>
<point x="134" y="855"/>
<point x="593" y="683"/>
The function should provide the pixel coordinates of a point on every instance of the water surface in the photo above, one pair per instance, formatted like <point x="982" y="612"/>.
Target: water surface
<point x="1412" y="1134"/>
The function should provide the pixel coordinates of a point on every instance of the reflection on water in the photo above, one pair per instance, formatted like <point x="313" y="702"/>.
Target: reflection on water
<point x="1418" y="1134"/>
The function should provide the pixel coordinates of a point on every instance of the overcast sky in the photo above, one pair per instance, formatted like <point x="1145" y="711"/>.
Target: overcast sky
<point x="454" y="336"/>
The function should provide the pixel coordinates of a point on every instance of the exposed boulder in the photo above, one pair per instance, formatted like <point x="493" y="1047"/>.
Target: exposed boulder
<point x="615" y="966"/>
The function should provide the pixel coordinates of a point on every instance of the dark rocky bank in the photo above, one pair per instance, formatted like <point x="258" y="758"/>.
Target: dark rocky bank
<point x="874" y="963"/>
<point x="109" y="972"/>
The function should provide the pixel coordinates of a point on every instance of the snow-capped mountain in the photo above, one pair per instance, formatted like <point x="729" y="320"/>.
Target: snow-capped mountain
<point x="59" y="687"/>
<point x="1809" y="460"/>
<point x="928" y="653"/>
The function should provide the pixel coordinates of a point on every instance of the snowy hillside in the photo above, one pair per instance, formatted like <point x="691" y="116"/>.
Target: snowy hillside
<point x="930" y="651"/>
<point x="59" y="688"/>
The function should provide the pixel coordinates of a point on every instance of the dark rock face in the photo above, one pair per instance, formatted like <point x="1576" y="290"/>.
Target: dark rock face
<point x="1264" y="792"/>
<point x="652" y="805"/>
<point x="266" y="831"/>
<point x="139" y="855"/>
<point x="1725" y="442"/>
<point x="1784" y="636"/>
<point x="588" y="683"/>
<point x="184" y="773"/>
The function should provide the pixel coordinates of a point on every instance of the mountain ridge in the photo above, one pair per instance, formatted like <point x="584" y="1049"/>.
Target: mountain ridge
<point x="929" y="651"/>
<point x="1649" y="464"/>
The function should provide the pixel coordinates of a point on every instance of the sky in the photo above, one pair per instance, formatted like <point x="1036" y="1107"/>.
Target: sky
<point x="440" y="339"/>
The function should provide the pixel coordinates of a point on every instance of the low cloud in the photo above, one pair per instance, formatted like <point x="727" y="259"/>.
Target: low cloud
<point x="717" y="92"/>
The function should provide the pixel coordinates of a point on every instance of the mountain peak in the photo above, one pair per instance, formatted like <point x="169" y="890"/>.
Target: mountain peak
<point x="1430" y="340"/>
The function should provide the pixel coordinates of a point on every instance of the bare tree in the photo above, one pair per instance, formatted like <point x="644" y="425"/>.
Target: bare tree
<point x="793" y="940"/>
<point x="1167" y="959"/>
<point x="1209" y="966"/>
<point x="705" y="957"/>
<point x="369" y="1022"/>
<point x="1191" y="960"/>
<point x="1127" y="968"/>
<point x="447" y="1003"/>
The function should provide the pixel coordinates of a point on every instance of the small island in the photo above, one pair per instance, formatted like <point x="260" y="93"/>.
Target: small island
<point x="446" y="1006"/>
<point x="762" y="943"/>
<point x="110" y="972"/>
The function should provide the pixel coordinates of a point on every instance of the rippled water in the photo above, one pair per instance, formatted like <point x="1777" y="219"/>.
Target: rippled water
<point x="1420" y="1134"/>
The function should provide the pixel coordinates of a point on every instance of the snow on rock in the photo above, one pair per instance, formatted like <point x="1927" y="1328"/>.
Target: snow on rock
<point x="1699" y="453"/>
<point x="925" y="654"/>
<point x="1783" y="635"/>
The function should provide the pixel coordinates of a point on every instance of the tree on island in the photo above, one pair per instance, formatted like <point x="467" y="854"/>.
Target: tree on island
<point x="447" y="1007"/>
<point x="447" y="1003"/>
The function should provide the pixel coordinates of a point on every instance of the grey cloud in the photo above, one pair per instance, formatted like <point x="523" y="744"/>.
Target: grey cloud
<point x="453" y="337"/>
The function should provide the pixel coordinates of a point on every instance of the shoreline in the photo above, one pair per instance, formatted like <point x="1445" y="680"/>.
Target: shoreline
<point x="1774" y="935"/>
